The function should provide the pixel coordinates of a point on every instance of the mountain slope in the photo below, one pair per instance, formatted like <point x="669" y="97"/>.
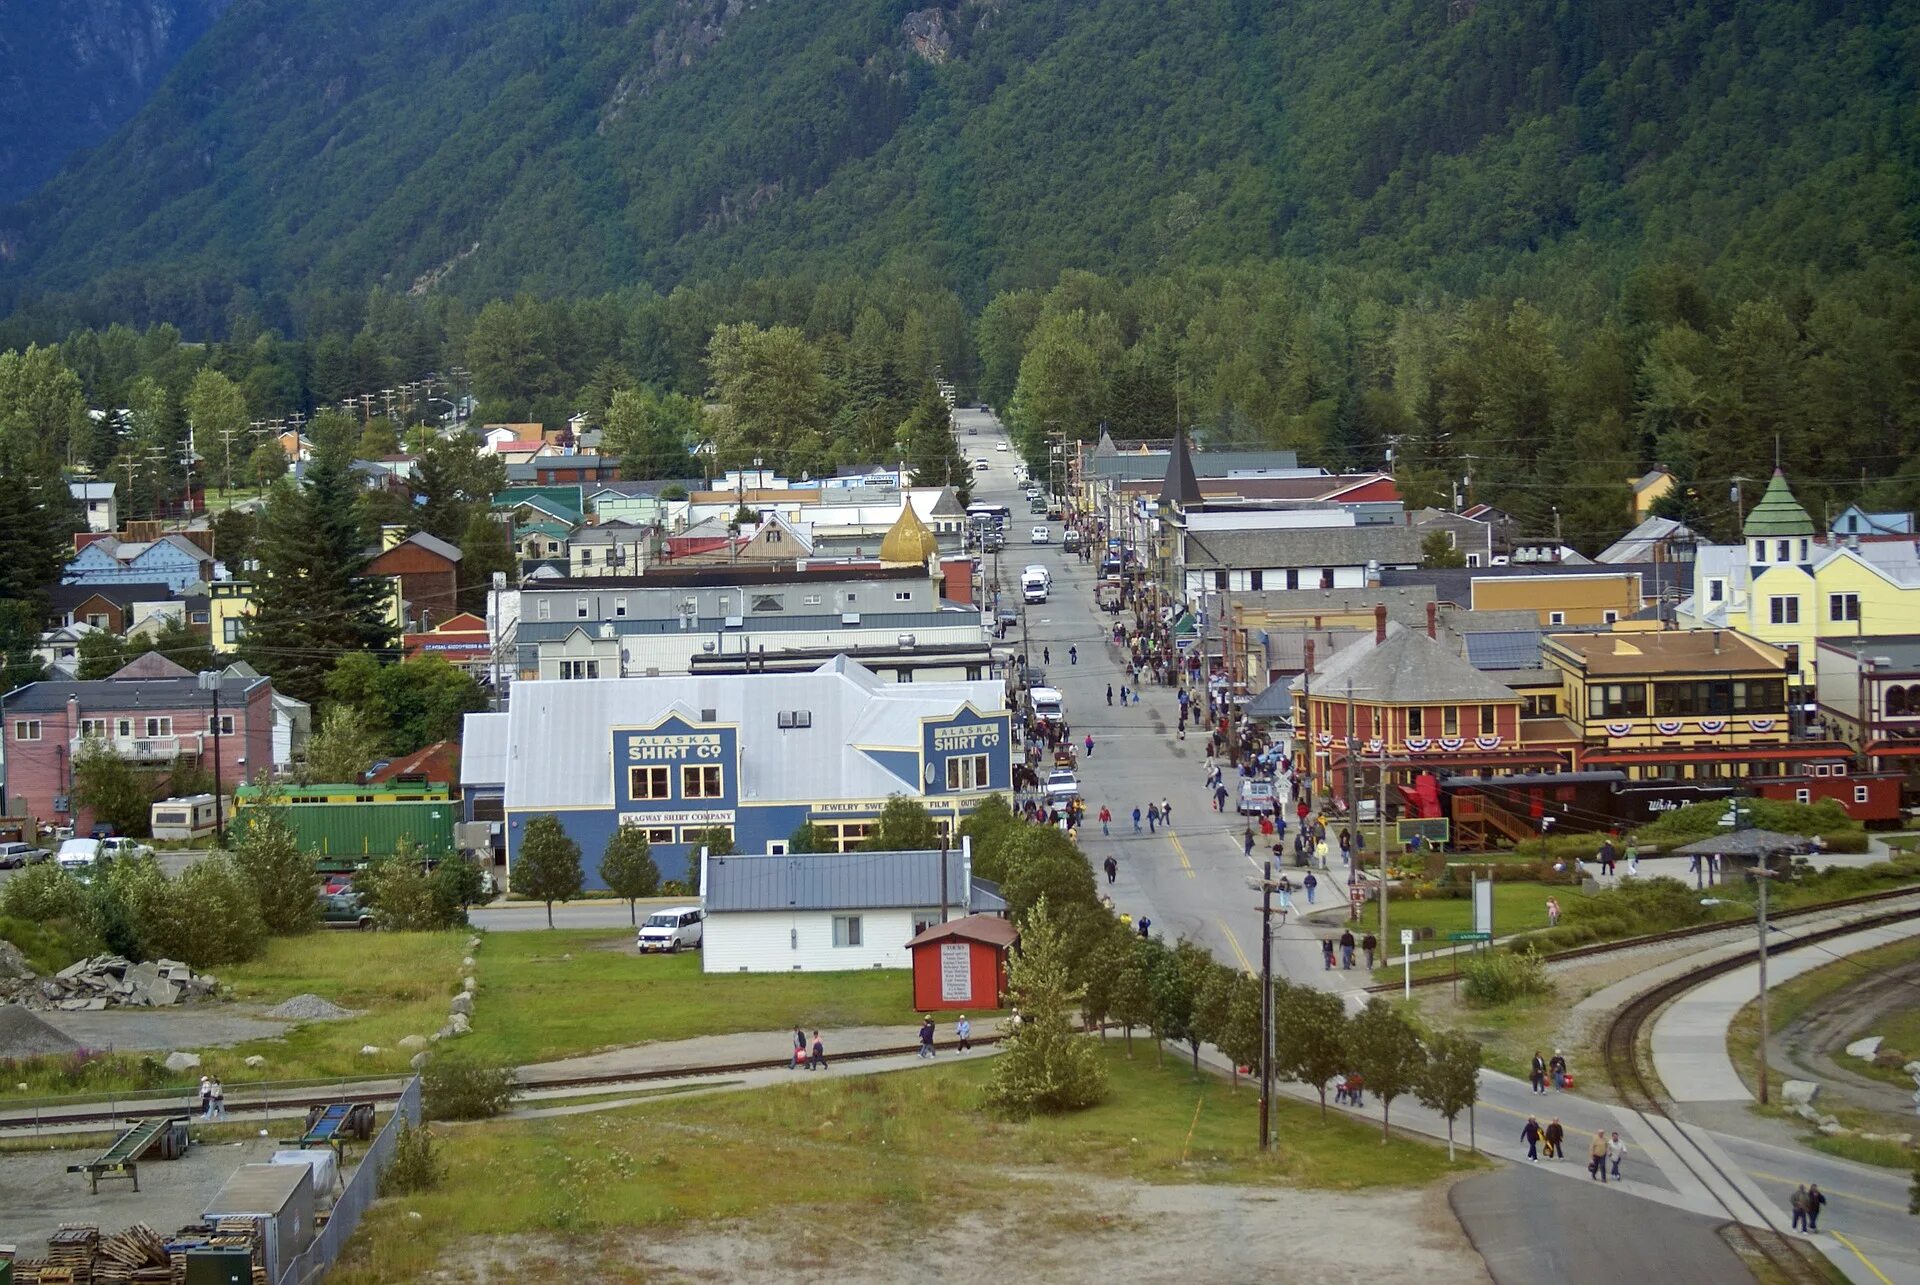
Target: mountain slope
<point x="488" y="146"/>
<point x="74" y="71"/>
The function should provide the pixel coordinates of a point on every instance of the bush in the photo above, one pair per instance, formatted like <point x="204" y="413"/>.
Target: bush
<point x="49" y="945"/>
<point x="414" y="1166"/>
<point x="458" y="1088"/>
<point x="1493" y="977"/>
<point x="283" y="879"/>
<point x="208" y="915"/>
<point x="403" y="896"/>
<point x="1702" y="820"/>
<point x="43" y="893"/>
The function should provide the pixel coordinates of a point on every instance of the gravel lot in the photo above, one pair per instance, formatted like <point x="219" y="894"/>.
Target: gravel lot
<point x="194" y="1026"/>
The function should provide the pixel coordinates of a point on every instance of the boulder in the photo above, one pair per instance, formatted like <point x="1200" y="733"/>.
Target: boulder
<point x="417" y="1061"/>
<point x="1831" y="1128"/>
<point x="1799" y="1092"/>
<point x="468" y="985"/>
<point x="460" y="1023"/>
<point x="256" y="1062"/>
<point x="412" y="1043"/>
<point x="1913" y="1068"/>
<point x="462" y="1003"/>
<point x="178" y="1061"/>
<point x="467" y="962"/>
<point x="371" y="1050"/>
<point x="1865" y="1049"/>
<point x="473" y="944"/>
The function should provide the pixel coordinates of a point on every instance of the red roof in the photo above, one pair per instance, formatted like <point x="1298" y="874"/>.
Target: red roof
<point x="439" y="763"/>
<point x="989" y="930"/>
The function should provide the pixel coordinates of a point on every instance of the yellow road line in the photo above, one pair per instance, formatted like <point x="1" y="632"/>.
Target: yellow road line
<point x="1848" y="1196"/>
<point x="1864" y="1260"/>
<point x="1181" y="852"/>
<point x="1234" y="942"/>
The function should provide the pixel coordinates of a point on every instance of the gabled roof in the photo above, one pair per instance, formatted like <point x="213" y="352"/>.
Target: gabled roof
<point x="988" y="930"/>
<point x="1650" y="478"/>
<point x="1638" y="544"/>
<point x="1341" y="546"/>
<point x="835" y="881"/>
<point x="151" y="665"/>
<point x="1408" y="668"/>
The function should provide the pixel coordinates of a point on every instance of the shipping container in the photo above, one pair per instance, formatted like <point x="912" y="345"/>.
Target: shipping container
<point x="342" y="835"/>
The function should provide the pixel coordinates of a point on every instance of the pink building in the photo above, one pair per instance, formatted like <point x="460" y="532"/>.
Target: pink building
<point x="151" y="712"/>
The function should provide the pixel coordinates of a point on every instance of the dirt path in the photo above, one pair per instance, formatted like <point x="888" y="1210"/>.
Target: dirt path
<point x="1813" y="1046"/>
<point x="1057" y="1228"/>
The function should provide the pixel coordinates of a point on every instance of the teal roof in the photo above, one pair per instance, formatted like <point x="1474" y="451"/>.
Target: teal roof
<point x="1777" y="513"/>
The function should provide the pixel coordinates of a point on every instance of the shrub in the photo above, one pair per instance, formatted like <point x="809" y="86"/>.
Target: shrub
<point x="403" y="897"/>
<point x="43" y="893"/>
<point x="1702" y="820"/>
<point x="208" y="915"/>
<point x="1499" y="977"/>
<point x="414" y="1166"/>
<point x="459" y="1088"/>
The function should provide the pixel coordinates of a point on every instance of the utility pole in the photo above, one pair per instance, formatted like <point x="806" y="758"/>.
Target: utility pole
<point x="1266" y="1003"/>
<point x="943" y="873"/>
<point x="1763" y="874"/>
<point x="1383" y="854"/>
<point x="1352" y="800"/>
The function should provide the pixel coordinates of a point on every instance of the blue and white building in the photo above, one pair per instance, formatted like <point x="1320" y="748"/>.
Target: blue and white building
<point x="752" y="754"/>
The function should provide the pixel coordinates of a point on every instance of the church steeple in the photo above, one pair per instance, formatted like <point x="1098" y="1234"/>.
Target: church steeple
<point x="1779" y="531"/>
<point x="1181" y="488"/>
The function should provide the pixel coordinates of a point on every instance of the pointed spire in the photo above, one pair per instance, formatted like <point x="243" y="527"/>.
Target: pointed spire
<point x="1182" y="487"/>
<point x="1777" y="513"/>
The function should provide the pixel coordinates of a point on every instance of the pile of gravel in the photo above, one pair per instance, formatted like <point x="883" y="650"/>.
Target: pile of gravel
<point x="310" y="1008"/>
<point x="24" y="1034"/>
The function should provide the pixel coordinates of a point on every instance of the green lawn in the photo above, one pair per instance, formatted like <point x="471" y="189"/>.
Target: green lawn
<point x="897" y="1153"/>
<point x="1517" y="907"/>
<point x="545" y="995"/>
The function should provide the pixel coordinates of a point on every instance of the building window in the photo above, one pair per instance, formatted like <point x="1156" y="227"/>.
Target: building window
<point x="812" y="600"/>
<point x="222" y="726"/>
<point x="659" y="834"/>
<point x="846" y="930"/>
<point x="973" y="673"/>
<point x="1860" y="793"/>
<point x="160" y="727"/>
<point x="1416" y="722"/>
<point x="773" y="535"/>
<point x="1783" y="550"/>
<point x="90" y="727"/>
<point x="572" y="669"/>
<point x="1617" y="700"/>
<point x="700" y="782"/>
<point x="123" y="728"/>
<point x="1716" y="590"/>
<point x="542" y="609"/>
<point x="702" y="833"/>
<point x="27" y="729"/>
<point x="198" y="618"/>
<point x="230" y="629"/>
<point x="967" y="772"/>
<point x="1843" y="606"/>
<point x="1784" y="610"/>
<point x="1486" y="716"/>
<point x="1803" y="795"/>
<point x="769" y="602"/>
<point x="580" y="608"/>
<point x="1609" y="617"/>
<point x="586" y="557"/>
<point x="903" y="595"/>
<point x="1450" y="720"/>
<point x="619" y="608"/>
<point x="97" y="620"/>
<point x="649" y="783"/>
<point x="1556" y="617"/>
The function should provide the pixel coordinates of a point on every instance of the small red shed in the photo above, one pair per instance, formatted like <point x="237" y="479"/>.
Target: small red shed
<point x="962" y="963"/>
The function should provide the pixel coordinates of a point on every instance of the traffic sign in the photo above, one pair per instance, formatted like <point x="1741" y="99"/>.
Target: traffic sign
<point x="1469" y="936"/>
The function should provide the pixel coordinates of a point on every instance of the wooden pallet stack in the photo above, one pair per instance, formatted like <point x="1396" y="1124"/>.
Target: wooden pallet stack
<point x="70" y="1255"/>
<point x="136" y="1256"/>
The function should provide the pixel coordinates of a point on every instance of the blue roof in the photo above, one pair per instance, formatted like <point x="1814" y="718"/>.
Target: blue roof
<point x="1504" y="649"/>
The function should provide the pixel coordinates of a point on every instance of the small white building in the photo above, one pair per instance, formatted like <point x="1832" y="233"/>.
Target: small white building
<point x="829" y="912"/>
<point x="97" y="498"/>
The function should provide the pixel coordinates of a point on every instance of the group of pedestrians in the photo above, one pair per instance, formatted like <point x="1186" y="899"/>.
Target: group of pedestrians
<point x="814" y="1056"/>
<point x="1549" y="1069"/>
<point x="1368" y="944"/>
<point x="1157" y="815"/>
<point x="213" y="1099"/>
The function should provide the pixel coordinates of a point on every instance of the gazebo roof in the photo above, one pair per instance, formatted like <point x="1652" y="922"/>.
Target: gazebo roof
<point x="1744" y="843"/>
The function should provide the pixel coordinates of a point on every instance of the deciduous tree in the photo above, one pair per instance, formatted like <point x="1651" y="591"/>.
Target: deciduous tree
<point x="546" y="865"/>
<point x="1451" y="1083"/>
<point x="1311" y="1036"/>
<point x="627" y="868"/>
<point x="1386" y="1052"/>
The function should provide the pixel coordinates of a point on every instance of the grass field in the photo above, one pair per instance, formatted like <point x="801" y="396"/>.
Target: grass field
<point x="1517" y="907"/>
<point x="911" y="1150"/>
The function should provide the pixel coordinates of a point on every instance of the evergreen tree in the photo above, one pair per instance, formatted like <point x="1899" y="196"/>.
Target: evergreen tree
<point x="486" y="546"/>
<point x="267" y="853"/>
<point x="312" y="602"/>
<point x="546" y="866"/>
<point x="1045" y="1066"/>
<point x="37" y="521"/>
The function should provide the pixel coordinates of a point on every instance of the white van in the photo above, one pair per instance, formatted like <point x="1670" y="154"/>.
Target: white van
<point x="1048" y="706"/>
<point x="78" y="857"/>
<point x="1034" y="584"/>
<point x="672" y="929"/>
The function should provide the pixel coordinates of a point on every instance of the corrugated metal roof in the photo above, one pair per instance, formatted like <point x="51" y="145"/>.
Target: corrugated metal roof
<point x="483" y="750"/>
<point x="1504" y="649"/>
<point x="560" y="745"/>
<point x="834" y="881"/>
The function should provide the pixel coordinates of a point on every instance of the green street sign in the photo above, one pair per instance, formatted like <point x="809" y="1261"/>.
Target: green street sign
<point x="1469" y="936"/>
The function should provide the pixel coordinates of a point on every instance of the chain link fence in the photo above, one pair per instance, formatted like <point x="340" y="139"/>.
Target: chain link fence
<point x="360" y="1192"/>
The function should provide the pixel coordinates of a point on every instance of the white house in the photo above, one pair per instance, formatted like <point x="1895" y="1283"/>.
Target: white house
<point x="828" y="912"/>
<point x="97" y="498"/>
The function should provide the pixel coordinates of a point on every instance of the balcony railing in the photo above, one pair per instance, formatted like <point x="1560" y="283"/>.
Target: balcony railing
<point x="148" y="749"/>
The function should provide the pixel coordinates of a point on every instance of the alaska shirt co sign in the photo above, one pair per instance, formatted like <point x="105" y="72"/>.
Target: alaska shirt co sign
<point x="965" y="753"/>
<point x="676" y="774"/>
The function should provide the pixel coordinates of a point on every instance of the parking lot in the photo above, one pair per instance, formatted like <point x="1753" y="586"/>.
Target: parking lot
<point x="171" y="861"/>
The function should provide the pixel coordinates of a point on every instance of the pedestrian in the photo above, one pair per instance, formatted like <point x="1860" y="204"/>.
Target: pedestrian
<point x="1109" y="693"/>
<point x="1815" y="1197"/>
<point x="926" y="1036"/>
<point x="819" y="1058"/>
<point x="1597" y="1156"/>
<point x="206" y="1098"/>
<point x="1106" y="819"/>
<point x="1346" y="845"/>
<point x="1311" y="884"/>
<point x="1798" y="1202"/>
<point x="1356" y="1089"/>
<point x="1220" y="798"/>
<point x="1320" y="853"/>
<point x="1113" y="868"/>
<point x="1346" y="948"/>
<point x="1538" y="1076"/>
<point x="1553" y="912"/>
<point x="799" y="1045"/>
<point x="1089" y="744"/>
<point x="1136" y="819"/>
<point x="1046" y="655"/>
<point x="1123" y="694"/>
<point x="1246" y="844"/>
<point x="1326" y="954"/>
<point x="1616" y="1151"/>
<point x="1606" y="857"/>
<point x="1530" y="1133"/>
<point x="963" y="1034"/>
<point x="1073" y="654"/>
<point x="1557" y="1068"/>
<point x="219" y="1099"/>
<point x="1145" y="924"/>
<point x="1370" y="943"/>
<point x="1166" y="811"/>
<point x="1153" y="817"/>
<point x="1126" y="920"/>
<point x="1633" y="861"/>
<point x="1556" y="1139"/>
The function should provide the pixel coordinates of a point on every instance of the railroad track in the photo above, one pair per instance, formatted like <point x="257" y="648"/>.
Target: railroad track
<point x="1621" y="1054"/>
<point x="294" y="1102"/>
<point x="1678" y="934"/>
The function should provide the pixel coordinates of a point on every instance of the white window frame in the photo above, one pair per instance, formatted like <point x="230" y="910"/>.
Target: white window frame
<point x="638" y="774"/>
<point x="226" y="725"/>
<point x="846" y="932"/>
<point x="1861" y="792"/>
<point x="1556" y="618"/>
<point x="969" y="772"/>
<point x="1803" y="795"/>
<point x="160" y="725"/>
<point x="1843" y="607"/>
<point x="26" y="729"/>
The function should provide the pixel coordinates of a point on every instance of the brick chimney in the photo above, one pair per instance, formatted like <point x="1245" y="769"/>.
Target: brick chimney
<point x="1379" y="622"/>
<point x="1433" y="620"/>
<point x="1309" y="656"/>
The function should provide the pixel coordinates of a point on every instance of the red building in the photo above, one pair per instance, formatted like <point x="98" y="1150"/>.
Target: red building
<point x="962" y="964"/>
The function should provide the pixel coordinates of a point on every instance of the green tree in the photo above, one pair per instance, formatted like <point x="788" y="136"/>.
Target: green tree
<point x="808" y="837"/>
<point x="1045" y="1066"/>
<point x="101" y="653"/>
<point x="217" y="417"/>
<point x="1110" y="954"/>
<point x="452" y="483"/>
<point x="933" y="453"/>
<point x="343" y="748"/>
<point x="180" y="643"/>
<point x="403" y="895"/>
<point x="716" y="839"/>
<point x="1312" y="1036"/>
<point x="547" y="865"/>
<point x="19" y="634"/>
<point x="1451" y="1083"/>
<point x="486" y="547"/>
<point x="1039" y="861"/>
<point x="43" y="411"/>
<point x="1437" y="550"/>
<point x="267" y="464"/>
<point x="1133" y="1001"/>
<point x="409" y="705"/>
<point x="112" y="789"/>
<point x="207" y="915"/>
<point x="1386" y="1051"/>
<point x="904" y="825"/>
<point x="773" y="394"/>
<point x="627" y="868"/>
<point x="283" y="878"/>
<point x="37" y="522"/>
<point x="652" y="434"/>
<point x="43" y="894"/>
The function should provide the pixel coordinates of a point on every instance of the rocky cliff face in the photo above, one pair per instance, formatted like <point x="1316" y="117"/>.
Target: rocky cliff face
<point x="72" y="71"/>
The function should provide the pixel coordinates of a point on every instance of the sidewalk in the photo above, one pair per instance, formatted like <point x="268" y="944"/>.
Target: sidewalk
<point x="1689" y="1040"/>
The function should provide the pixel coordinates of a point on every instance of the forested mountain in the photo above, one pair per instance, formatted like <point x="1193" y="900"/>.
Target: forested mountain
<point x="565" y="146"/>
<point x="73" y="71"/>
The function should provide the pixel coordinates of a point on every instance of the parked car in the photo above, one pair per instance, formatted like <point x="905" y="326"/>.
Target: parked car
<point x="1042" y="535"/>
<point x="1070" y="542"/>
<point x="1062" y="785"/>
<point x="1001" y="447"/>
<point x="1256" y="798"/>
<point x="344" y="909"/>
<point x="119" y="845"/>
<point x="81" y="858"/>
<point x="14" y="856"/>
<point x="672" y="929"/>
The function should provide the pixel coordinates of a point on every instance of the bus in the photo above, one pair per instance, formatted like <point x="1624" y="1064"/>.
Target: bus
<point x="989" y="516"/>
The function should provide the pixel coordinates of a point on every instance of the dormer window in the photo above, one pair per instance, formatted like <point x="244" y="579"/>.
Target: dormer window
<point x="1759" y="550"/>
<point x="1784" y="549"/>
<point x="1803" y="551"/>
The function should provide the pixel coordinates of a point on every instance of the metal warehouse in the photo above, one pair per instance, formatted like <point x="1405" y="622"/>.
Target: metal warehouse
<point x="755" y="755"/>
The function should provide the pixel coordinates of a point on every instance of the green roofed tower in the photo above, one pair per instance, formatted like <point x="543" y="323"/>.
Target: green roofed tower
<point x="1779" y="531"/>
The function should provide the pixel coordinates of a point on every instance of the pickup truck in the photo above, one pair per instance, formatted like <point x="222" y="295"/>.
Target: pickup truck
<point x="344" y="910"/>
